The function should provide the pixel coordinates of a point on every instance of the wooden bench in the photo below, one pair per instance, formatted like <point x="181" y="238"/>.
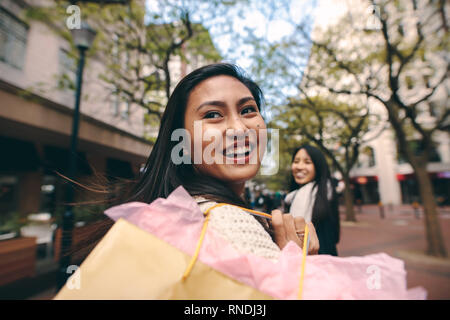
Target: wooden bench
<point x="17" y="259"/>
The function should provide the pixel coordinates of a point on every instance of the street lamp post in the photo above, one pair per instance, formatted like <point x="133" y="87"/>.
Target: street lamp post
<point x="82" y="39"/>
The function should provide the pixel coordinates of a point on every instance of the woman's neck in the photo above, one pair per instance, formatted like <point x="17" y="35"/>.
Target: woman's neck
<point x="238" y="188"/>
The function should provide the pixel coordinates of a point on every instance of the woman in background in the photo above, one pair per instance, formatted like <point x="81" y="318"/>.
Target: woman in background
<point x="313" y="196"/>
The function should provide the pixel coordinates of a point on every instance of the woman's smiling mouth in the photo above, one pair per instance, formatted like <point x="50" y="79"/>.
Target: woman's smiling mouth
<point x="239" y="153"/>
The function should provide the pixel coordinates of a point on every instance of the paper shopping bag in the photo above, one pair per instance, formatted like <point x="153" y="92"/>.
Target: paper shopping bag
<point x="147" y="260"/>
<point x="130" y="263"/>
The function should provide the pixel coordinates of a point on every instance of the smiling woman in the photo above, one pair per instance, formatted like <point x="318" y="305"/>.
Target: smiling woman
<point x="313" y="196"/>
<point x="216" y="102"/>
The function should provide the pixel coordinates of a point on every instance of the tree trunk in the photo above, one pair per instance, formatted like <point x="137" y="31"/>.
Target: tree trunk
<point x="435" y="241"/>
<point x="348" y="197"/>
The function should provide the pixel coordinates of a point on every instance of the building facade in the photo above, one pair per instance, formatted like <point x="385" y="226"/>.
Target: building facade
<point x="382" y="174"/>
<point x="36" y="114"/>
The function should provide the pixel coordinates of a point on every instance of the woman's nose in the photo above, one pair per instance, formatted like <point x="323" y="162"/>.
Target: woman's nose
<point x="298" y="166"/>
<point x="235" y="127"/>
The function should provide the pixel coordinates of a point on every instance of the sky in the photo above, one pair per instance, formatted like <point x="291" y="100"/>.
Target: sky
<point x="321" y="13"/>
<point x="253" y="18"/>
<point x="328" y="11"/>
<point x="273" y="30"/>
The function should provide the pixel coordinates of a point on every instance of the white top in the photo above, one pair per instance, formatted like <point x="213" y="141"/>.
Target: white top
<point x="302" y="201"/>
<point x="241" y="229"/>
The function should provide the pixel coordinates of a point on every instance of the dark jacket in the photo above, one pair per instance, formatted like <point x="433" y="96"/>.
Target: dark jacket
<point x="328" y="232"/>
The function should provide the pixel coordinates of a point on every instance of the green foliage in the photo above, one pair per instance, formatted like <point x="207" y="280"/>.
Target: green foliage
<point x="11" y="222"/>
<point x="87" y="213"/>
<point x="135" y="46"/>
<point x="65" y="82"/>
<point x="336" y="128"/>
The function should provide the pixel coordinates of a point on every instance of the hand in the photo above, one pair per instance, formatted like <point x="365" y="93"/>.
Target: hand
<point x="286" y="227"/>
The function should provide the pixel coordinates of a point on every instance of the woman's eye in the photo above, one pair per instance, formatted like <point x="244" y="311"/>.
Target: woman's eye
<point x="249" y="109"/>
<point x="212" y="115"/>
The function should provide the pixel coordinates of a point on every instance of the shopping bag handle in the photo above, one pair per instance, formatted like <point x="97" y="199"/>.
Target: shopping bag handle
<point x="261" y="214"/>
<point x="200" y="241"/>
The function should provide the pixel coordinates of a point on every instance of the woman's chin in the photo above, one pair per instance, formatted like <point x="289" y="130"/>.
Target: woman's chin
<point x="301" y="181"/>
<point x="239" y="173"/>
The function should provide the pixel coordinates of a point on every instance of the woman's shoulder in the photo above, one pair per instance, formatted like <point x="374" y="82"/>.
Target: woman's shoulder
<point x="240" y="228"/>
<point x="226" y="211"/>
<point x="221" y="208"/>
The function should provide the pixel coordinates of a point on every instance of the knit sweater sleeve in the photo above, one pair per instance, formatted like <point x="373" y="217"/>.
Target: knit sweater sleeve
<point x="242" y="230"/>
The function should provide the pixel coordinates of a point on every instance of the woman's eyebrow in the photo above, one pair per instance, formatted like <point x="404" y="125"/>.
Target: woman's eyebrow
<point x="222" y="104"/>
<point x="212" y="103"/>
<point x="244" y="100"/>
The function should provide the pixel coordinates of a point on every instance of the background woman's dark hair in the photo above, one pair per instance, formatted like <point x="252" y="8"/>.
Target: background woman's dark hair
<point x="323" y="207"/>
<point x="160" y="175"/>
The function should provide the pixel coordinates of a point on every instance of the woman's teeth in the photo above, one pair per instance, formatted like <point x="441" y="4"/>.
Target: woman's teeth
<point x="238" y="151"/>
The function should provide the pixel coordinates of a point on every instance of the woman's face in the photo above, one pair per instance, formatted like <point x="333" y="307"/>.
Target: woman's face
<point x="303" y="168"/>
<point x="225" y="115"/>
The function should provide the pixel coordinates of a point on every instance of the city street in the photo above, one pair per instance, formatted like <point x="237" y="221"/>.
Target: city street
<point x="400" y="235"/>
<point x="312" y="105"/>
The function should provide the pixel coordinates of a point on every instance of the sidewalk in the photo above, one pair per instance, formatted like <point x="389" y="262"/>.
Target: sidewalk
<point x="400" y="235"/>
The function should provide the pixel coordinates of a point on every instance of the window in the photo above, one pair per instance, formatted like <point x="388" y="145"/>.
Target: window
<point x="115" y="104"/>
<point x="119" y="106"/>
<point x="126" y="110"/>
<point x="8" y="197"/>
<point x="366" y="158"/>
<point x="13" y="38"/>
<point x="66" y="70"/>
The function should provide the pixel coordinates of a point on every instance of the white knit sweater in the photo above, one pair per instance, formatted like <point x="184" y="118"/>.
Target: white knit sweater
<point x="241" y="229"/>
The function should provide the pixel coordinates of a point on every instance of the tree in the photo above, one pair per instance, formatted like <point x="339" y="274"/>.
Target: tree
<point x="144" y="46"/>
<point x="139" y="48"/>
<point x="400" y="63"/>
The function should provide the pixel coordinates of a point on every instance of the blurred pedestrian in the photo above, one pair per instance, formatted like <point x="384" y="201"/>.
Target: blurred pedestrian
<point x="277" y="200"/>
<point x="260" y="202"/>
<point x="268" y="203"/>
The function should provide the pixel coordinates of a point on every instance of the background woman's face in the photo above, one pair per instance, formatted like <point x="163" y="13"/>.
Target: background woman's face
<point x="222" y="103"/>
<point x="303" y="168"/>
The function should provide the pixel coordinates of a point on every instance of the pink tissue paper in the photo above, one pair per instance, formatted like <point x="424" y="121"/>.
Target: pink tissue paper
<point x="178" y="221"/>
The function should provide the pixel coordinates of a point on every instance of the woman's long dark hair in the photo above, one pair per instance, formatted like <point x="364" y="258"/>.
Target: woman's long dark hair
<point x="160" y="175"/>
<point x="323" y="207"/>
